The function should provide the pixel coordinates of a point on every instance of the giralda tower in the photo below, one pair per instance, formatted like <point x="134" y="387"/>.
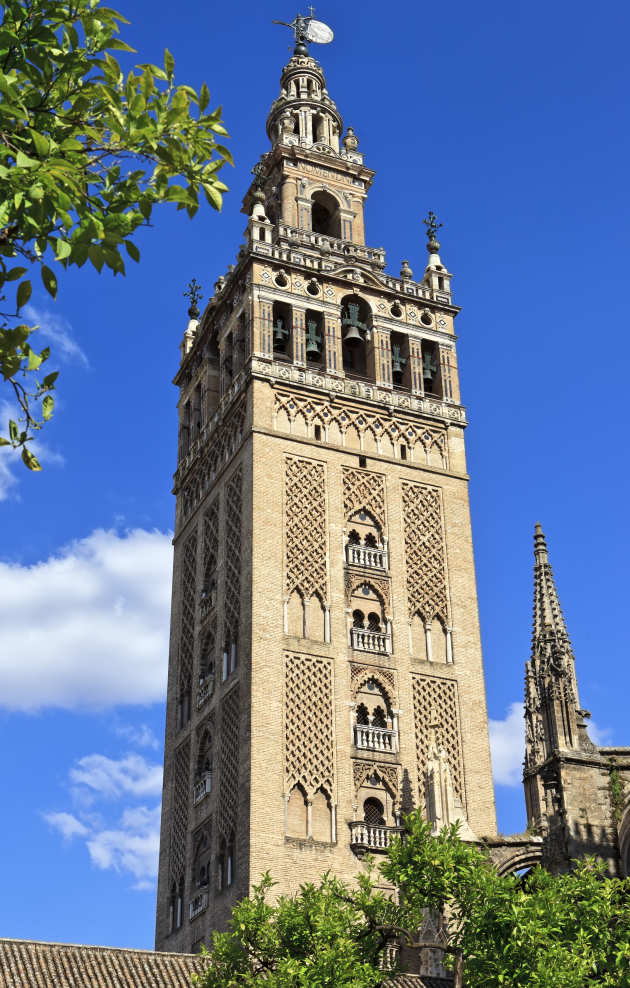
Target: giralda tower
<point x="325" y="666"/>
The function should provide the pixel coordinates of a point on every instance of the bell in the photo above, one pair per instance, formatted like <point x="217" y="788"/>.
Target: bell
<point x="280" y="334"/>
<point x="352" y="337"/>
<point x="313" y="340"/>
<point x="429" y="367"/>
<point x="398" y="362"/>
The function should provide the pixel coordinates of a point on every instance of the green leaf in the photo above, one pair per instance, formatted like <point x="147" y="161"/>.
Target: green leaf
<point x="42" y="144"/>
<point x="48" y="405"/>
<point x="34" y="360"/>
<point x="204" y="97"/>
<point x="49" y="380"/>
<point x="13" y="430"/>
<point x="169" y="63"/>
<point x="23" y="161"/>
<point x="132" y="250"/>
<point x="23" y="293"/>
<point x="30" y="460"/>
<point x="62" y="249"/>
<point x="50" y="280"/>
<point x="214" y="197"/>
<point x="4" y="442"/>
<point x="14" y="274"/>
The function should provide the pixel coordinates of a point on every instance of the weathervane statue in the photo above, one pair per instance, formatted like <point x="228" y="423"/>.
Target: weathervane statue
<point x="307" y="29"/>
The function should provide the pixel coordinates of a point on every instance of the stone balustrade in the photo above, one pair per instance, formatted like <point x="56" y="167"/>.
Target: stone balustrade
<point x="371" y="558"/>
<point x="371" y="838"/>
<point x="202" y="787"/>
<point x="375" y="738"/>
<point x="198" y="905"/>
<point x="364" y="640"/>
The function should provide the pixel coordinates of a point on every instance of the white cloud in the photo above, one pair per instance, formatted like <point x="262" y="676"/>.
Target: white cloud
<point x="139" y="735"/>
<point x="132" y="846"/>
<point x="11" y="465"/>
<point x="507" y="746"/>
<point x="131" y="775"/>
<point x="127" y="839"/>
<point x="54" y="328"/>
<point x="88" y="627"/>
<point x="67" y="825"/>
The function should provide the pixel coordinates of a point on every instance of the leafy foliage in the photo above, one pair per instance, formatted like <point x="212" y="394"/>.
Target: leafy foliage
<point x="326" y="935"/>
<point x="540" y="931"/>
<point x="86" y="152"/>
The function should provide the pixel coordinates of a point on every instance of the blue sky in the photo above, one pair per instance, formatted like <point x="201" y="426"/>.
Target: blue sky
<point x="510" y="121"/>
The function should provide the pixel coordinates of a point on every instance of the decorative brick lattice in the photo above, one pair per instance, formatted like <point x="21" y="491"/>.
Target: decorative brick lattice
<point x="305" y="528"/>
<point x="388" y="773"/>
<point x="424" y="552"/>
<point x="308" y="714"/>
<point x="364" y="491"/>
<point x="219" y="448"/>
<point x="435" y="707"/>
<point x="179" y="811"/>
<point x="210" y="540"/>
<point x="229" y="748"/>
<point x="360" y="675"/>
<point x="187" y="633"/>
<point x="234" y="504"/>
<point x="422" y="440"/>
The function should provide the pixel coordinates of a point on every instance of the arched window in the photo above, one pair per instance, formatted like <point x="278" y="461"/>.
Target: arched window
<point x="373" y="812"/>
<point x="374" y="621"/>
<point x="379" y="717"/>
<point x="358" y="619"/>
<point x="282" y="319"/>
<point x="356" y="327"/>
<point x="363" y="716"/>
<point x="325" y="214"/>
<point x="314" y="336"/>
<point x="354" y="538"/>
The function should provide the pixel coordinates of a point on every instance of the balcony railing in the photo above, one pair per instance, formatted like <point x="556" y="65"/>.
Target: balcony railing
<point x="198" y="905"/>
<point x="371" y="838"/>
<point x="364" y="640"/>
<point x="205" y="691"/>
<point x="202" y="788"/>
<point x="361" y="555"/>
<point x="375" y="738"/>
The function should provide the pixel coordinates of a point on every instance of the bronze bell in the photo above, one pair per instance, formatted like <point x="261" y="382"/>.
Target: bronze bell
<point x="398" y="362"/>
<point x="280" y="334"/>
<point x="313" y="340"/>
<point x="352" y="336"/>
<point x="429" y="367"/>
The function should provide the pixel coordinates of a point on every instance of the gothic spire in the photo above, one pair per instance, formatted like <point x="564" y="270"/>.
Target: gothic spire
<point x="548" y="616"/>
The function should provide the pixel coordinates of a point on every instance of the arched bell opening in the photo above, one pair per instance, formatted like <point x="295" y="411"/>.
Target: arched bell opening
<point x="314" y="336"/>
<point x="356" y="330"/>
<point x="282" y="320"/>
<point x="431" y="378"/>
<point x="325" y="215"/>
<point x="400" y="360"/>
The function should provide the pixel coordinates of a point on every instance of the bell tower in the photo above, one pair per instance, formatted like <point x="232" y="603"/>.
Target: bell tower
<point x="325" y="668"/>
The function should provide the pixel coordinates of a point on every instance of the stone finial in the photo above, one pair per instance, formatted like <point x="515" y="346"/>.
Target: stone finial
<point x="405" y="272"/>
<point x="350" y="141"/>
<point x="194" y="293"/>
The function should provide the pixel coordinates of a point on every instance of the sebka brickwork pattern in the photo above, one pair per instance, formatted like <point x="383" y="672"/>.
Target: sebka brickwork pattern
<point x="436" y="708"/>
<point x="309" y="746"/>
<point x="305" y="528"/>
<point x="424" y="552"/>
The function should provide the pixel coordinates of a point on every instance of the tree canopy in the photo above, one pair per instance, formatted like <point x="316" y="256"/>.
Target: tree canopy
<point x="537" y="930"/>
<point x="86" y="152"/>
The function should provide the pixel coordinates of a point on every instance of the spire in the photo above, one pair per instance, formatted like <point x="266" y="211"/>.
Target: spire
<point x="552" y="708"/>
<point x="548" y="617"/>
